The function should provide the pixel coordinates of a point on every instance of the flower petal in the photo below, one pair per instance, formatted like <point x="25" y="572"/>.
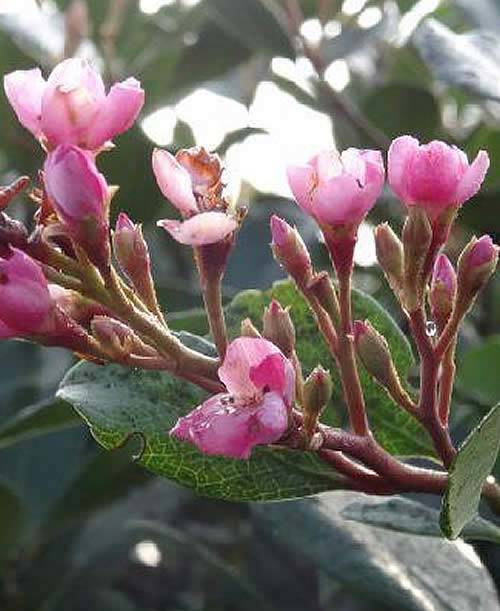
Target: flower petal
<point x="400" y="154"/>
<point x="243" y="355"/>
<point x="24" y="90"/>
<point x="174" y="182"/>
<point x="302" y="181"/>
<point x="117" y="113"/>
<point x="473" y="178"/>
<point x="201" y="229"/>
<point x="217" y="427"/>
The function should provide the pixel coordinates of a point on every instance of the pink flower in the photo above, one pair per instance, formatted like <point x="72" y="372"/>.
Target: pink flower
<point x="434" y="176"/>
<point x="260" y="384"/>
<point x="25" y="301"/>
<point x="338" y="189"/>
<point x="191" y="181"/>
<point x="80" y="196"/>
<point x="72" y="107"/>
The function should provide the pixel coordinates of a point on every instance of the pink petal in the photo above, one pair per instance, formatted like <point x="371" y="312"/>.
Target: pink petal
<point x="473" y="178"/>
<point x="269" y="374"/>
<point x="302" y="181"/>
<point x="71" y="102"/>
<point x="339" y="201"/>
<point x="400" y="154"/>
<point x="117" y="113"/>
<point x="217" y="427"/>
<point x="433" y="175"/>
<point x="243" y="355"/>
<point x="24" y="90"/>
<point x="74" y="73"/>
<point x="174" y="182"/>
<point x="327" y="165"/>
<point x="202" y="229"/>
<point x="6" y="332"/>
<point x="444" y="272"/>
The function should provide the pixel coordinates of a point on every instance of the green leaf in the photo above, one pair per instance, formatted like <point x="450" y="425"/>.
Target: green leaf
<point x="472" y="465"/>
<point x="478" y="371"/>
<point x="118" y="403"/>
<point x="469" y="61"/>
<point x="11" y="522"/>
<point x="258" y="24"/>
<point x="396" y="430"/>
<point x="35" y="420"/>
<point x="402" y="100"/>
<point x="403" y="515"/>
<point x="391" y="570"/>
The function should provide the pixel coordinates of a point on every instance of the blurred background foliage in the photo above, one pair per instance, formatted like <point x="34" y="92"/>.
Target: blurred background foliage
<point x="263" y="82"/>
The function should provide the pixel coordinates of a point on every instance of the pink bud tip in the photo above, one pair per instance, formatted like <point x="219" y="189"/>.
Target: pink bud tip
<point x="483" y="251"/>
<point x="74" y="184"/>
<point x="360" y="328"/>
<point x="444" y="273"/>
<point x="280" y="230"/>
<point x="123" y="223"/>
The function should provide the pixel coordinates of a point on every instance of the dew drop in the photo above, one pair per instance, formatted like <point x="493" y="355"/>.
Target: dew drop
<point x="431" y="328"/>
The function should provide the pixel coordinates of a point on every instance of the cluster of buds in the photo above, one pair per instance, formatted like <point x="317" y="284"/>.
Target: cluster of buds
<point x="74" y="282"/>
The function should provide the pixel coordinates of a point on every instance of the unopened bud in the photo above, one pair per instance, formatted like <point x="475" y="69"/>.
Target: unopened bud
<point x="476" y="265"/>
<point x="75" y="306"/>
<point x="278" y="327"/>
<point x="248" y="329"/>
<point x="322" y="288"/>
<point x="317" y="392"/>
<point x="375" y="354"/>
<point x="118" y="340"/>
<point x="390" y="256"/>
<point x="290" y="250"/>
<point x="443" y="290"/>
<point x="417" y="238"/>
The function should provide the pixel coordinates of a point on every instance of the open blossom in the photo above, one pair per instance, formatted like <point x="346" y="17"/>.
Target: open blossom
<point x="72" y="107"/>
<point x="25" y="301"/>
<point x="434" y="176"/>
<point x="338" y="190"/>
<point x="191" y="181"/>
<point x="260" y="384"/>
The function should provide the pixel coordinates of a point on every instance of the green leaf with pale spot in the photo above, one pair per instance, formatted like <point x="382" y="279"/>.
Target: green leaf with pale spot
<point x="118" y="403"/>
<point x="472" y="465"/>
<point x="396" y="430"/>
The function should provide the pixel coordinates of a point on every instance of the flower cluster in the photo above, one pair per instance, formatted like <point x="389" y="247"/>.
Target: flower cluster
<point x="75" y="282"/>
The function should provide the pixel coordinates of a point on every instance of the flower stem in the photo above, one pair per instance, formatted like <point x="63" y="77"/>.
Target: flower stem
<point x="448" y="370"/>
<point x="212" y="298"/>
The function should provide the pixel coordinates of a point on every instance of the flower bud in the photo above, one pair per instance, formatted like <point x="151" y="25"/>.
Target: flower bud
<point x="317" y="392"/>
<point x="248" y="329"/>
<point x="443" y="290"/>
<point x="390" y="256"/>
<point x="118" y="340"/>
<point x="290" y="250"/>
<point x="417" y="238"/>
<point x="132" y="253"/>
<point x="374" y="352"/>
<point x="322" y="288"/>
<point x="278" y="327"/>
<point x="80" y="196"/>
<point x="25" y="302"/>
<point x="475" y="266"/>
